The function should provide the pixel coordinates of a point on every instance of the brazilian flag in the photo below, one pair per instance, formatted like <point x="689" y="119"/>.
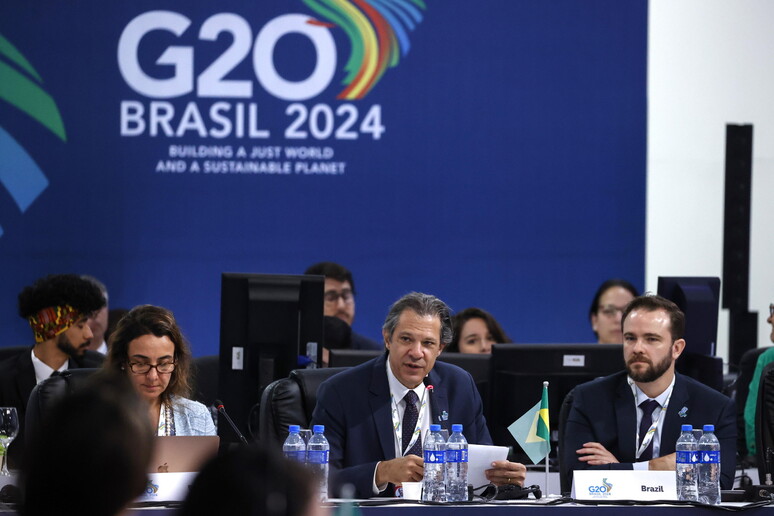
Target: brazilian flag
<point x="532" y="430"/>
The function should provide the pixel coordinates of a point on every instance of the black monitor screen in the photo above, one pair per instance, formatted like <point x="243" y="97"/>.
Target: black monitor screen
<point x="519" y="370"/>
<point x="266" y="322"/>
<point x="699" y="299"/>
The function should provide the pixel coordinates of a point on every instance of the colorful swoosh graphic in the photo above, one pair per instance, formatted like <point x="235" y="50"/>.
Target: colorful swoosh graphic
<point x="378" y="34"/>
<point x="20" y="87"/>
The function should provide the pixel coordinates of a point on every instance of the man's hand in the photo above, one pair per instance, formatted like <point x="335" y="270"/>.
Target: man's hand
<point x="665" y="463"/>
<point x="595" y="454"/>
<point x="403" y="469"/>
<point x="504" y="472"/>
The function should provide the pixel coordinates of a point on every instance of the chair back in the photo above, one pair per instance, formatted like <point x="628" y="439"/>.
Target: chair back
<point x="290" y="401"/>
<point x="12" y="351"/>
<point x="45" y="394"/>
<point x="204" y="379"/>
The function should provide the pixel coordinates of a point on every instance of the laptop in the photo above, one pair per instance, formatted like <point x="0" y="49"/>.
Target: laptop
<point x="175" y="454"/>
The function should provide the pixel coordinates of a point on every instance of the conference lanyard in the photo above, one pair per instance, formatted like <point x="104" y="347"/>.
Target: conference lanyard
<point x="396" y="422"/>
<point x="652" y="430"/>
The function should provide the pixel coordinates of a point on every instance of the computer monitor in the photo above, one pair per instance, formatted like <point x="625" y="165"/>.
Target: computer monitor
<point x="699" y="299"/>
<point x="351" y="357"/>
<point x="518" y="373"/>
<point x="266" y="322"/>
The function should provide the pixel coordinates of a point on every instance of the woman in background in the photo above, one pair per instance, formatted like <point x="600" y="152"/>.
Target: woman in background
<point x="607" y="307"/>
<point x="475" y="330"/>
<point x="148" y="346"/>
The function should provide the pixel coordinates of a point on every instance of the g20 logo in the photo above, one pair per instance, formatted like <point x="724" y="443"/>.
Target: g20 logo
<point x="224" y="118"/>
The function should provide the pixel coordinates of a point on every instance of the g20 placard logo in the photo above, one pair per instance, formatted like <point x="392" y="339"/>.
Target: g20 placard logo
<point x="378" y="37"/>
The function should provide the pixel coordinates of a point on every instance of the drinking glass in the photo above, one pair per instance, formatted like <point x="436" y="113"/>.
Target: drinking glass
<point x="9" y="427"/>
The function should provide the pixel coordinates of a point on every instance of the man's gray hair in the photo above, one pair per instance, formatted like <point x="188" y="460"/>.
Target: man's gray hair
<point x="423" y="305"/>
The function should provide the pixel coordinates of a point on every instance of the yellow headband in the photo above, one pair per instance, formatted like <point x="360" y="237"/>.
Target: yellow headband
<point x="50" y="322"/>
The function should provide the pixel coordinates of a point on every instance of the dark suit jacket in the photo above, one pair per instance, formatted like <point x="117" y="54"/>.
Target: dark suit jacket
<point x="603" y="411"/>
<point x="17" y="379"/>
<point x="355" y="408"/>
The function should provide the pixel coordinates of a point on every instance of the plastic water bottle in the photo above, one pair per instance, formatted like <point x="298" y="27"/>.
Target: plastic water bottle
<point x="709" y="467"/>
<point x="433" y="486"/>
<point x="317" y="457"/>
<point x="456" y="466"/>
<point x="294" y="447"/>
<point x="687" y="463"/>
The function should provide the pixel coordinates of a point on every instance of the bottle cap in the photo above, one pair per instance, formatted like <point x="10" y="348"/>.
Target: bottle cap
<point x="318" y="429"/>
<point x="435" y="428"/>
<point x="456" y="428"/>
<point x="686" y="428"/>
<point x="709" y="428"/>
<point x="294" y="429"/>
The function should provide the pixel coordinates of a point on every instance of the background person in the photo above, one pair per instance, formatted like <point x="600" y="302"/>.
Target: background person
<point x="608" y="304"/>
<point x="57" y="308"/>
<point x="148" y="347"/>
<point x="98" y="322"/>
<point x="340" y="298"/>
<point x="475" y="331"/>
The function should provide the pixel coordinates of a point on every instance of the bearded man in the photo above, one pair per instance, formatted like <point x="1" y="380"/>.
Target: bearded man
<point x="57" y="308"/>
<point x="632" y="419"/>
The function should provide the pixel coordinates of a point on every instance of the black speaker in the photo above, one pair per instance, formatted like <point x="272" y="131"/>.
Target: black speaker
<point x="736" y="224"/>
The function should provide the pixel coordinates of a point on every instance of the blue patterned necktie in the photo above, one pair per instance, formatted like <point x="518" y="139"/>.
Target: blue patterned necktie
<point x="647" y="406"/>
<point x="410" y="417"/>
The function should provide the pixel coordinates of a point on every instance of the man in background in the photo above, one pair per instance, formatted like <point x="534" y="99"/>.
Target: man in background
<point x="340" y="298"/>
<point x="98" y="322"/>
<point x="57" y="308"/>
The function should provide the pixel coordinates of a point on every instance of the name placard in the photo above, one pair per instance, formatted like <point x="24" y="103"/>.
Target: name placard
<point x="167" y="487"/>
<point x="624" y="485"/>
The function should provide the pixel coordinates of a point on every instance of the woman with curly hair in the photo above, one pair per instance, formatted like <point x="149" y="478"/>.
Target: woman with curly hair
<point x="148" y="346"/>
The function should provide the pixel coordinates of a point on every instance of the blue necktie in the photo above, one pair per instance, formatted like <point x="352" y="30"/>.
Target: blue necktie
<point x="410" y="417"/>
<point x="647" y="406"/>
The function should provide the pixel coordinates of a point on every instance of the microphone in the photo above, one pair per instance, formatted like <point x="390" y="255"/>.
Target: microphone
<point x="222" y="412"/>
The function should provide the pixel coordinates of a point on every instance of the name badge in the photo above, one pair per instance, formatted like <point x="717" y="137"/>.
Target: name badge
<point x="624" y="485"/>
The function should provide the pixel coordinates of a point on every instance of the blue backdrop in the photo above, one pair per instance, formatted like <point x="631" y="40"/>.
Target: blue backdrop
<point x="491" y="153"/>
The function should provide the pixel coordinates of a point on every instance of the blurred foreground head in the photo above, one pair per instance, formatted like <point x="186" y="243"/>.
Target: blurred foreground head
<point x="92" y="453"/>
<point x="253" y="481"/>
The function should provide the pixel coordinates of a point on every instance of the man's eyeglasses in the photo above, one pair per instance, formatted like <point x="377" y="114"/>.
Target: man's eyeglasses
<point x="144" y="367"/>
<point x="333" y="297"/>
<point x="611" y="311"/>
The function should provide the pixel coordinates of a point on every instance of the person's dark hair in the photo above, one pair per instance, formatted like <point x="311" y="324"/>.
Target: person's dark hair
<point x="338" y="334"/>
<point x="251" y="481"/>
<point x="151" y="320"/>
<point x="101" y="286"/>
<point x="651" y="303"/>
<point x="60" y="290"/>
<point x="333" y="271"/>
<point x="92" y="452"/>
<point x="459" y="320"/>
<point x="604" y="287"/>
<point x="422" y="305"/>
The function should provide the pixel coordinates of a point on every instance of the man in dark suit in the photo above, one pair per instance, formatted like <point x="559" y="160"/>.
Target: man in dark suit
<point x="57" y="308"/>
<point x="632" y="419"/>
<point x="376" y="414"/>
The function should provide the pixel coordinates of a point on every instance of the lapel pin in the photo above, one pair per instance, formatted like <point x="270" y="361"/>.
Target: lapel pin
<point x="444" y="416"/>
<point x="683" y="412"/>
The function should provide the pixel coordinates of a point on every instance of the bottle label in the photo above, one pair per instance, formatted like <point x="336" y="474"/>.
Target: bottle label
<point x="456" y="455"/>
<point x="296" y="455"/>
<point x="434" y="456"/>
<point x="687" y="457"/>
<point x="317" y="456"/>
<point x="710" y="456"/>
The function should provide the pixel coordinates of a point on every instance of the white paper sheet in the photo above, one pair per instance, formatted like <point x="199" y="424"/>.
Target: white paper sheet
<point x="480" y="458"/>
